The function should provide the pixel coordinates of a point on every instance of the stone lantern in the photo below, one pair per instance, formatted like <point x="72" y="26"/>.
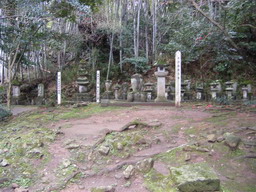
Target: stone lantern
<point x="199" y="92"/>
<point x="167" y="91"/>
<point x="246" y="88"/>
<point x="183" y="89"/>
<point x="161" y="74"/>
<point x="117" y="89"/>
<point x="215" y="88"/>
<point x="229" y="89"/>
<point x="149" y="90"/>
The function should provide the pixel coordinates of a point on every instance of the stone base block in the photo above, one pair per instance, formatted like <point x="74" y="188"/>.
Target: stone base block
<point x="161" y="99"/>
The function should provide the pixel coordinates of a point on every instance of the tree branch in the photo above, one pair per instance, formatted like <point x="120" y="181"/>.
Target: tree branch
<point x="215" y="23"/>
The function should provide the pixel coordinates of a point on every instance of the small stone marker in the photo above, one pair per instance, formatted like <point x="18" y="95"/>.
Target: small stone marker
<point x="98" y="87"/>
<point x="177" y="78"/>
<point x="59" y="88"/>
<point x="16" y="91"/>
<point x="40" y="90"/>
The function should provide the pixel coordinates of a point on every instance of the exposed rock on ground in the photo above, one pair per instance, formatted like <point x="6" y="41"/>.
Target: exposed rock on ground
<point x="129" y="171"/>
<point x="232" y="141"/>
<point x="195" y="177"/>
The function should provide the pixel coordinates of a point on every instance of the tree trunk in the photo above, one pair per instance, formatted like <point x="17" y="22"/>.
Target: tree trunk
<point x="154" y="30"/>
<point x="134" y="29"/>
<point x="138" y="31"/>
<point x="110" y="54"/>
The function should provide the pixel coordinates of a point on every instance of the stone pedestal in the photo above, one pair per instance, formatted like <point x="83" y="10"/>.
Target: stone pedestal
<point x="161" y="74"/>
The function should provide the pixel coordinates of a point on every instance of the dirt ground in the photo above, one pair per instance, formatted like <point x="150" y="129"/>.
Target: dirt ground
<point x="173" y="130"/>
<point x="171" y="137"/>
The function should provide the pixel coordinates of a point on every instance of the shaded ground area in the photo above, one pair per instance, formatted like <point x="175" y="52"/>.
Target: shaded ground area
<point x="84" y="148"/>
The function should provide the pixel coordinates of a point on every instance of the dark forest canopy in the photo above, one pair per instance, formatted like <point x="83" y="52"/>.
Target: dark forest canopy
<point x="217" y="38"/>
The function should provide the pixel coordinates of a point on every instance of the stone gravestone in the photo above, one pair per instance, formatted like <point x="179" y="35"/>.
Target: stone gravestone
<point x="40" y="90"/>
<point x="177" y="78"/>
<point x="98" y="87"/>
<point x="59" y="88"/>
<point x="15" y="94"/>
<point x="40" y="95"/>
<point x="15" y="91"/>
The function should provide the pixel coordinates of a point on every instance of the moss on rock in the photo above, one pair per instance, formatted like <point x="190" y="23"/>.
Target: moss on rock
<point x="195" y="177"/>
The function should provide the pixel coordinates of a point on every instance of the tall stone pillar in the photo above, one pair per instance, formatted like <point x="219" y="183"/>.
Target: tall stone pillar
<point x="160" y="75"/>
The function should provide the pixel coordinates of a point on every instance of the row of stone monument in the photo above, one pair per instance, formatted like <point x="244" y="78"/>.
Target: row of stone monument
<point x="147" y="92"/>
<point x="138" y="91"/>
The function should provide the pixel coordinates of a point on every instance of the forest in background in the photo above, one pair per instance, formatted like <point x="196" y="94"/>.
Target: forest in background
<point x="217" y="38"/>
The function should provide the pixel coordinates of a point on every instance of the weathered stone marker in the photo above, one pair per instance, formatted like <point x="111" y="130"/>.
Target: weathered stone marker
<point x="40" y="90"/>
<point x="98" y="87"/>
<point x="15" y="91"/>
<point x="177" y="78"/>
<point x="59" y="88"/>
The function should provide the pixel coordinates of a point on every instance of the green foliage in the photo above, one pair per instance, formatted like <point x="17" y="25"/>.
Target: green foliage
<point x="4" y="112"/>
<point x="92" y="3"/>
<point x="140" y="63"/>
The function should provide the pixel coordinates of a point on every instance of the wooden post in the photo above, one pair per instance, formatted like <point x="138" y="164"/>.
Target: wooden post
<point x="59" y="88"/>
<point x="98" y="87"/>
<point x="177" y="78"/>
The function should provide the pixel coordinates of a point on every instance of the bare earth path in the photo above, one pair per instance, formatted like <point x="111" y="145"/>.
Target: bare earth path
<point x="176" y="127"/>
<point x="86" y="132"/>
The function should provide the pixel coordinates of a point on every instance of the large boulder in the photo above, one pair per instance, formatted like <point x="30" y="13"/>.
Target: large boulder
<point x="198" y="177"/>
